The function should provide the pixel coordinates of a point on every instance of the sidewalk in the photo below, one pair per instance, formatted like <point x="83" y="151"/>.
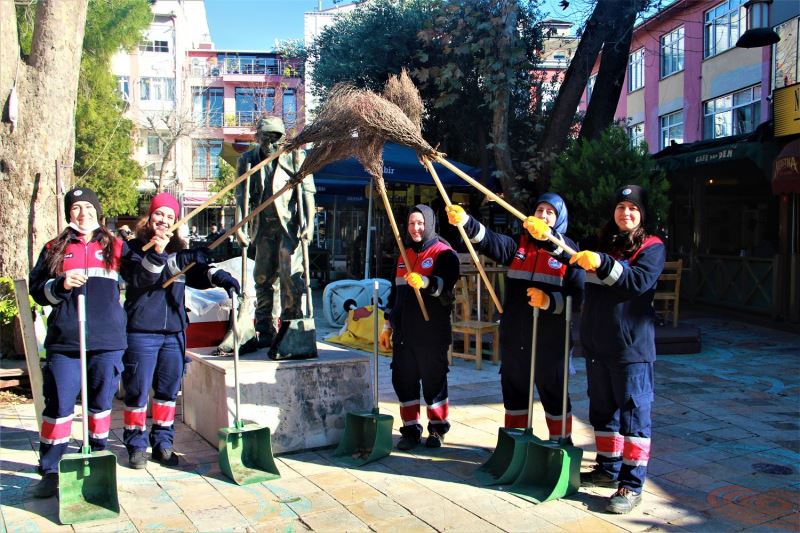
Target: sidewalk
<point x="726" y="454"/>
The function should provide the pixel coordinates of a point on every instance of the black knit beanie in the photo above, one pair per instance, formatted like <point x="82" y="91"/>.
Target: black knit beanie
<point x="79" y="194"/>
<point x="633" y="194"/>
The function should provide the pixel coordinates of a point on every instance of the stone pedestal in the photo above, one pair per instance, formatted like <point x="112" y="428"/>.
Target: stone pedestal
<point x="304" y="403"/>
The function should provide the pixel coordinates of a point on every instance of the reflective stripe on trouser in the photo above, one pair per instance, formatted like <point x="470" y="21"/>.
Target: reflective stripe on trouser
<point x="62" y="385"/>
<point x="620" y="399"/>
<point x="153" y="360"/>
<point x="554" y="423"/>
<point x="428" y="364"/>
<point x="515" y="375"/>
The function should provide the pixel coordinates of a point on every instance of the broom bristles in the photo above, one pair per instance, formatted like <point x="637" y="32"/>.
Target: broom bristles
<point x="402" y="92"/>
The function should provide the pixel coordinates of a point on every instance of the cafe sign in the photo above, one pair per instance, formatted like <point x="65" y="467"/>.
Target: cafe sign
<point x="786" y="110"/>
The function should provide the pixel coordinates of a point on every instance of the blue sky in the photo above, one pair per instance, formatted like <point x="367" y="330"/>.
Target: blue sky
<point x="256" y="24"/>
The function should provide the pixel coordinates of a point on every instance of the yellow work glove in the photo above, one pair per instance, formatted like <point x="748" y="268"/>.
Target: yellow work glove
<point x="586" y="259"/>
<point x="417" y="281"/>
<point x="538" y="298"/>
<point x="385" y="338"/>
<point x="537" y="227"/>
<point x="456" y="215"/>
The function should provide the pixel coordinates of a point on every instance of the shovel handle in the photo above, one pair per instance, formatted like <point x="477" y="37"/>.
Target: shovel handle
<point x="84" y="380"/>
<point x="235" y="329"/>
<point x="565" y="391"/>
<point x="534" y="339"/>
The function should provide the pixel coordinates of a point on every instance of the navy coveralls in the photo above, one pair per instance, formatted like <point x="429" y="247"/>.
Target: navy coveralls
<point x="532" y="263"/>
<point x="105" y="343"/>
<point x="618" y="335"/>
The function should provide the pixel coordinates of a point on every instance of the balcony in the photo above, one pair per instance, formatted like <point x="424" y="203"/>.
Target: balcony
<point x="204" y="68"/>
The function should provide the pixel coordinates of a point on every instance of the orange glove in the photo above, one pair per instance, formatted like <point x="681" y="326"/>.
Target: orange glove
<point x="586" y="259"/>
<point x="417" y="281"/>
<point x="385" y="338"/>
<point x="538" y="298"/>
<point x="456" y="215"/>
<point x="537" y="227"/>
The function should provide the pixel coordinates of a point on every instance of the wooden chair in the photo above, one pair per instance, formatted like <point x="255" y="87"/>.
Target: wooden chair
<point x="668" y="291"/>
<point x="469" y="329"/>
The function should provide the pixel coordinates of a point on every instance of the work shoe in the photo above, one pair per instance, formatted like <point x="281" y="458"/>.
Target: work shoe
<point x="434" y="440"/>
<point x="166" y="456"/>
<point x="407" y="443"/>
<point x="47" y="487"/>
<point x="624" y="501"/>
<point x="597" y="478"/>
<point x="137" y="460"/>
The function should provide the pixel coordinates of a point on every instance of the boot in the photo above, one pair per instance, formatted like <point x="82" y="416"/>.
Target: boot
<point x="47" y="487"/>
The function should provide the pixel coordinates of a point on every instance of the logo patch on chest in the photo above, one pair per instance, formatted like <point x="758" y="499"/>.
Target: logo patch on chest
<point x="427" y="263"/>
<point x="98" y="254"/>
<point x="68" y="256"/>
<point x="520" y="254"/>
<point x="554" y="263"/>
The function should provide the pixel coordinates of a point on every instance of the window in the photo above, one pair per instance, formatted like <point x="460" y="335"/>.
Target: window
<point x="636" y="133"/>
<point x="207" y="106"/>
<point x="732" y="114"/>
<point x="590" y="88"/>
<point x="205" y="158"/>
<point x="636" y="70"/>
<point x="157" y="89"/>
<point x="289" y="107"/>
<point x="671" y="128"/>
<point x="723" y="26"/>
<point x="672" y="52"/>
<point x="153" y="46"/>
<point x="786" y="53"/>
<point x="253" y="102"/>
<point x="154" y="145"/>
<point x="123" y="87"/>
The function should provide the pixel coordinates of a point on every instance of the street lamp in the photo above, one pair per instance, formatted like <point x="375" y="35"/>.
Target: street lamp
<point x="758" y="31"/>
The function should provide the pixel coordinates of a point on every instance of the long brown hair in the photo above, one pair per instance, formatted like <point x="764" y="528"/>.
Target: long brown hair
<point x="144" y="233"/>
<point x="54" y="257"/>
<point x="621" y="244"/>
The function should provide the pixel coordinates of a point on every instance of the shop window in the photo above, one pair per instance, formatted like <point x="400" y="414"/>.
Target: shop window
<point x="672" y="52"/>
<point x="636" y="70"/>
<point x="732" y="114"/>
<point x="671" y="128"/>
<point x="724" y="24"/>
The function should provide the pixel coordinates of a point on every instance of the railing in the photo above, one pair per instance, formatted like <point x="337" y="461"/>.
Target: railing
<point x="745" y="283"/>
<point x="247" y="118"/>
<point x="280" y="67"/>
<point x="209" y="120"/>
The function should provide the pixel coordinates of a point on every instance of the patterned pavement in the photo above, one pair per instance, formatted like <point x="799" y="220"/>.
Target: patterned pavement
<point x="726" y="457"/>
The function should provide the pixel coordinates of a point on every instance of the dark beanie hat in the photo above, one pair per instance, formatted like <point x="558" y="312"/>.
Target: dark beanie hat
<point x="633" y="194"/>
<point x="80" y="194"/>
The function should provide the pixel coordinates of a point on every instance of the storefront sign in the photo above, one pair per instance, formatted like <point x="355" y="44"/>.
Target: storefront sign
<point x="721" y="155"/>
<point x="787" y="110"/>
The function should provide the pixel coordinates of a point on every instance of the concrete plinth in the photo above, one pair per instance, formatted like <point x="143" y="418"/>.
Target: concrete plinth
<point x="304" y="403"/>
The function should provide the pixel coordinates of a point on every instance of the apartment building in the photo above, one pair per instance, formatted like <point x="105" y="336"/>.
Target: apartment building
<point x="705" y="109"/>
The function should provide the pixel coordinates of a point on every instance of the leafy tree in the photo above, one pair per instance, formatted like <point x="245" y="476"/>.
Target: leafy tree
<point x="588" y="173"/>
<point x="224" y="177"/>
<point x="103" y="140"/>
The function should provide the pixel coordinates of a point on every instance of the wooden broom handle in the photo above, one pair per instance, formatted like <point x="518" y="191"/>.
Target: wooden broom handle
<point x="263" y="205"/>
<point x="217" y="195"/>
<point x="464" y="237"/>
<point x="492" y="196"/>
<point x="382" y="191"/>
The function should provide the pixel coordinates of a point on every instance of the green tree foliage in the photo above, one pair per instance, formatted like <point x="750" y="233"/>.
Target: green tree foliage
<point x="224" y="177"/>
<point x="452" y="51"/>
<point x="103" y="141"/>
<point x="588" y="173"/>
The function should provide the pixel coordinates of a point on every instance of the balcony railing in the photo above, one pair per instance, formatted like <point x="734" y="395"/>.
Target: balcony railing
<point x="278" y="67"/>
<point x="209" y="120"/>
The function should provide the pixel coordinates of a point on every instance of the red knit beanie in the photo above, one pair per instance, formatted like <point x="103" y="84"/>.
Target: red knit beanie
<point x="164" y="199"/>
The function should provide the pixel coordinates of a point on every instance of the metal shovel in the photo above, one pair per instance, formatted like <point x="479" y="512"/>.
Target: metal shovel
<point x="245" y="450"/>
<point x="87" y="488"/>
<point x="552" y="470"/>
<point x="367" y="435"/>
<point x="506" y="462"/>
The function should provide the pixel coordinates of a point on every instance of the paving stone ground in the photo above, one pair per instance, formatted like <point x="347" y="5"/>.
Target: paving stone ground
<point x="726" y="457"/>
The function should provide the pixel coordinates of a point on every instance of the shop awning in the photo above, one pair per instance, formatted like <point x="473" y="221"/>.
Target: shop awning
<point x="730" y="150"/>
<point x="786" y="169"/>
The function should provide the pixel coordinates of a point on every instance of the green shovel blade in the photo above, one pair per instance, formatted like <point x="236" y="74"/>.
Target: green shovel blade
<point x="87" y="487"/>
<point x="245" y="454"/>
<point x="551" y="471"/>
<point x="367" y="437"/>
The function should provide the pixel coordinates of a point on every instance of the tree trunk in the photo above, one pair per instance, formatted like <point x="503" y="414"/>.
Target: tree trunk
<point x="501" y="101"/>
<point x="569" y="95"/>
<point x="46" y="87"/>
<point x="610" y="77"/>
